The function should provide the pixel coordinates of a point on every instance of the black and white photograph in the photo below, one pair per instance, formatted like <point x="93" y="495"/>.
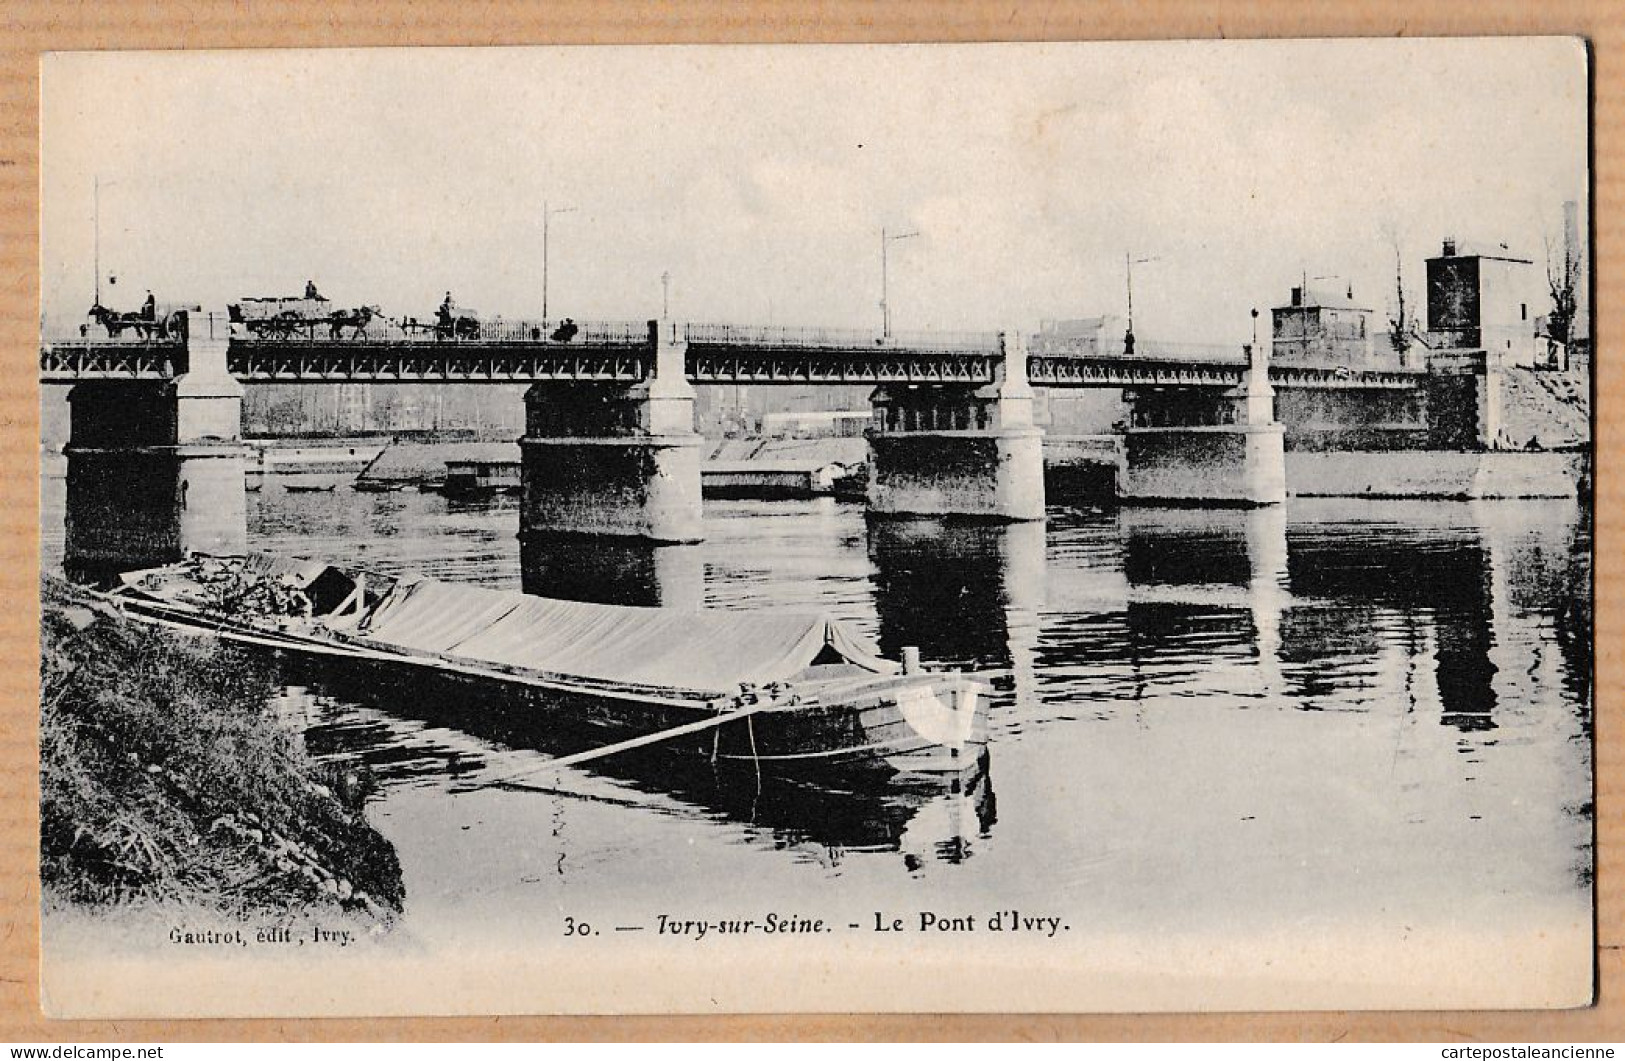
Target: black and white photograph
<point x="1065" y="527"/>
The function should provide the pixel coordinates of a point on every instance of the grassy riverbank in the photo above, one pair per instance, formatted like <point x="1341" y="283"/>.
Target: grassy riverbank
<point x="166" y="777"/>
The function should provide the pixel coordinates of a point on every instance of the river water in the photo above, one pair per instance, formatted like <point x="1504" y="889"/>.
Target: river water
<point x="1330" y="712"/>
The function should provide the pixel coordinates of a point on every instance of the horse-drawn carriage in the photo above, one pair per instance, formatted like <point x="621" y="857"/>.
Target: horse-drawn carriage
<point x="451" y="321"/>
<point x="151" y="321"/>
<point x="297" y="317"/>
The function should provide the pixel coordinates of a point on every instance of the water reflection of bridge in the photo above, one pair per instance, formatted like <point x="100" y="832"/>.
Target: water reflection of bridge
<point x="1314" y="609"/>
<point x="1330" y="611"/>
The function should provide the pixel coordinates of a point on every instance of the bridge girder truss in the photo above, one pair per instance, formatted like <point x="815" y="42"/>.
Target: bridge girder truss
<point x="339" y="362"/>
<point x="1310" y="377"/>
<point x="1043" y="371"/>
<point x="623" y="362"/>
<point x="1128" y="372"/>
<point x="71" y="362"/>
<point x="715" y="364"/>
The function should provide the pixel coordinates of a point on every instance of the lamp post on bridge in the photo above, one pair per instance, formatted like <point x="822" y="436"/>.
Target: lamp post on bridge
<point x="96" y="222"/>
<point x="886" y="239"/>
<point x="1129" y="262"/>
<point x="96" y="225"/>
<point x="547" y="217"/>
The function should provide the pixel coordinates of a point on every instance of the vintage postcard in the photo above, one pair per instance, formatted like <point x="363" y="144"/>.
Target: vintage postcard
<point x="949" y="528"/>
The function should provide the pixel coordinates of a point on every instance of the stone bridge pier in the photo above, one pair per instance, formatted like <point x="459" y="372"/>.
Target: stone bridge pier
<point x="1201" y="447"/>
<point x="956" y="450"/>
<point x="155" y="468"/>
<point x="614" y="460"/>
<point x="1464" y="399"/>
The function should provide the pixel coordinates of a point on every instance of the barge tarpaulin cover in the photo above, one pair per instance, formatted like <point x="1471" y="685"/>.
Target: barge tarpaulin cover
<point x="710" y="652"/>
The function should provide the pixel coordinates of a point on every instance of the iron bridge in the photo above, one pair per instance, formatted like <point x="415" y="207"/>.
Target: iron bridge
<point x="339" y="361"/>
<point x="622" y="352"/>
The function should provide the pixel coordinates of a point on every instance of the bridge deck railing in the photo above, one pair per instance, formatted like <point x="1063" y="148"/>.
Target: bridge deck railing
<point x="391" y="332"/>
<point x="1042" y="345"/>
<point x="97" y="340"/>
<point x="774" y="337"/>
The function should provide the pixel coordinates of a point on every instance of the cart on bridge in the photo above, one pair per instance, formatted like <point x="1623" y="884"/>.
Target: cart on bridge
<point x="297" y="317"/>
<point x="153" y="321"/>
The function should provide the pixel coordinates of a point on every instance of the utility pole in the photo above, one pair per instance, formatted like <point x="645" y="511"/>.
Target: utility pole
<point x="96" y="214"/>
<point x="665" y="295"/>
<point x="547" y="217"/>
<point x="1129" y="262"/>
<point x="886" y="239"/>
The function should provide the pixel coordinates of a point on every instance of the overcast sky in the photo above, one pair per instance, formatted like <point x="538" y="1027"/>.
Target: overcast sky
<point x="761" y="177"/>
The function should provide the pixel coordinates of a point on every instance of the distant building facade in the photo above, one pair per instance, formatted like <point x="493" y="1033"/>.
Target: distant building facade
<point x="1101" y="336"/>
<point x="293" y="409"/>
<point x="1322" y="327"/>
<point x="1483" y="298"/>
<point x="741" y="410"/>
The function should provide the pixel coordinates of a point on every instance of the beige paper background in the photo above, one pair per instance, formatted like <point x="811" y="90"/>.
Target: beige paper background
<point x="31" y="29"/>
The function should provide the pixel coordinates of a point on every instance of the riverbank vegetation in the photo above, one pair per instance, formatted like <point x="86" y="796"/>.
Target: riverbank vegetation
<point x="166" y="776"/>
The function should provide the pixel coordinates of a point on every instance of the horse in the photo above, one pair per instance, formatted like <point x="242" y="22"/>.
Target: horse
<point x="357" y="318"/>
<point x="116" y="323"/>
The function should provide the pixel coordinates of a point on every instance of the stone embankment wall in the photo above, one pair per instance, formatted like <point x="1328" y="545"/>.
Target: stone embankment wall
<point x="1435" y="474"/>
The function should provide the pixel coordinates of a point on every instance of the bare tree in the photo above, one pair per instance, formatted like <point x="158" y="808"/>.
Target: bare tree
<point x="1400" y="324"/>
<point x="1562" y="281"/>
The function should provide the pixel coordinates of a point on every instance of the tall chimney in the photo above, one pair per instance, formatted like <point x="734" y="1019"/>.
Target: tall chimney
<point x="1580" y="327"/>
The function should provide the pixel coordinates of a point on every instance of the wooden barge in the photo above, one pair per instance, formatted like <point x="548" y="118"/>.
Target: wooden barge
<point x="790" y="693"/>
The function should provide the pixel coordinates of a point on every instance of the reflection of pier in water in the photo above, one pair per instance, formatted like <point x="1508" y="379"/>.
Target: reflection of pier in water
<point x="612" y="571"/>
<point x="1217" y="577"/>
<point x="1432" y="585"/>
<point x="1459" y="585"/>
<point x="1325" y="605"/>
<point x="965" y="594"/>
